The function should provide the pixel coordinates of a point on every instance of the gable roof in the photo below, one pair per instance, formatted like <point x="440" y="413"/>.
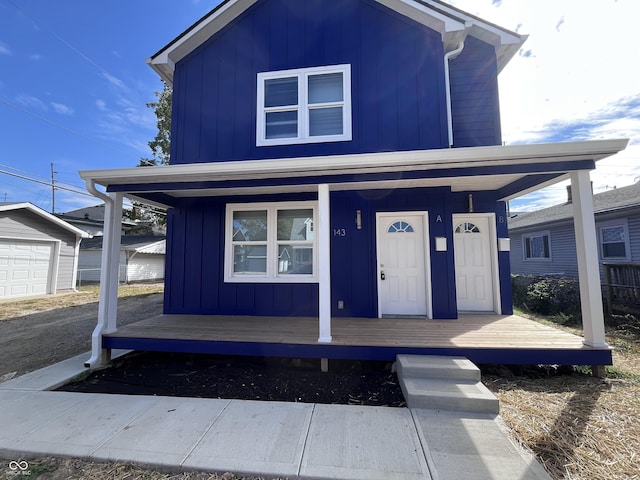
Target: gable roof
<point x="452" y="23"/>
<point x="89" y="216"/>
<point x="606" y="202"/>
<point x="7" y="207"/>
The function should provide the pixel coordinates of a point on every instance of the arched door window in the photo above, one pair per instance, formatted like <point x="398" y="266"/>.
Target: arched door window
<point x="400" y="227"/>
<point x="467" y="227"/>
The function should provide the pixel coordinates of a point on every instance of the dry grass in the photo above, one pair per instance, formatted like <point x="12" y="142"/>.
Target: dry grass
<point x="87" y="294"/>
<point x="580" y="427"/>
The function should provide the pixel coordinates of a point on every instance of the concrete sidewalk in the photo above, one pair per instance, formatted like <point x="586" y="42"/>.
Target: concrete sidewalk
<point x="294" y="440"/>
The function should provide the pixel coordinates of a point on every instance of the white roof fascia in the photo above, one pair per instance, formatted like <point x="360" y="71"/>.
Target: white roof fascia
<point x="452" y="24"/>
<point x="360" y="163"/>
<point x="164" y="61"/>
<point x="451" y="28"/>
<point x="52" y="218"/>
<point x="506" y="43"/>
<point x="158" y="248"/>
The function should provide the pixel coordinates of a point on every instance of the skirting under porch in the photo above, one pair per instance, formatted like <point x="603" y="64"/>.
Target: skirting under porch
<point x="484" y="339"/>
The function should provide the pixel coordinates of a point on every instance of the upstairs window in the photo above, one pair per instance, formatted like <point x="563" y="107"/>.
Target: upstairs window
<point x="614" y="243"/>
<point x="537" y="246"/>
<point x="307" y="105"/>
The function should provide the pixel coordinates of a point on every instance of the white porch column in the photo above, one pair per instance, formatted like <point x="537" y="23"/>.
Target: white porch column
<point x="588" y="267"/>
<point x="323" y="231"/>
<point x="109" y="273"/>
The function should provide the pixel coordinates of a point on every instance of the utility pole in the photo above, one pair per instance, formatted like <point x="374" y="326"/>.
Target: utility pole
<point x="53" y="191"/>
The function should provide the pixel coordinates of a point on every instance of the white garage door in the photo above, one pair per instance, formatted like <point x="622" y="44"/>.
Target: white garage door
<point x="24" y="268"/>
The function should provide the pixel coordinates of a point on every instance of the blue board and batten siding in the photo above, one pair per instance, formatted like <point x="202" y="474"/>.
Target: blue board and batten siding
<point x="397" y="69"/>
<point x="397" y="104"/>
<point x="195" y="257"/>
<point x="474" y="96"/>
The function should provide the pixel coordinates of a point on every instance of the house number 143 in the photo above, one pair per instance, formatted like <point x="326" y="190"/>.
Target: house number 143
<point x="339" y="232"/>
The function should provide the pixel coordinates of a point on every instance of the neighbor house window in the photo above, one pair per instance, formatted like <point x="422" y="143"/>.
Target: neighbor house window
<point x="304" y="106"/>
<point x="537" y="246"/>
<point x="270" y="242"/>
<point x="614" y="243"/>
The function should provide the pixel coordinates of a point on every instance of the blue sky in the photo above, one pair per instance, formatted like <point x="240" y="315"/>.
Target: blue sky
<point x="74" y="85"/>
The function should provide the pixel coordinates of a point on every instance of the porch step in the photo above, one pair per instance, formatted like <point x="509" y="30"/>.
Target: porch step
<point x="431" y="366"/>
<point x="444" y="383"/>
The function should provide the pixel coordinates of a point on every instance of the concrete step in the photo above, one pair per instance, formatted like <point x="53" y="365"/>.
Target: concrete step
<point x="433" y="366"/>
<point x="441" y="394"/>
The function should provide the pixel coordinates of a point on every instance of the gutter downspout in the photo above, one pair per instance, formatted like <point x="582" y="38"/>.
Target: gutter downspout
<point x="450" y="56"/>
<point x="108" y="303"/>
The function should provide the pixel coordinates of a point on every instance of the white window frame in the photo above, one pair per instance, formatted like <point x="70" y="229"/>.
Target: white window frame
<point x="271" y="275"/>
<point x="609" y="224"/>
<point x="528" y="236"/>
<point x="303" y="107"/>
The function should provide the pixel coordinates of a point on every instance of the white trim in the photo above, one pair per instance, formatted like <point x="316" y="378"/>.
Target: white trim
<point x="303" y="107"/>
<point x="361" y="163"/>
<point x="427" y="256"/>
<point x="620" y="222"/>
<point x="588" y="265"/>
<point x="493" y="247"/>
<point x="271" y="275"/>
<point x="76" y="259"/>
<point x="323" y="235"/>
<point x="55" y="267"/>
<point x="539" y="233"/>
<point x="452" y="24"/>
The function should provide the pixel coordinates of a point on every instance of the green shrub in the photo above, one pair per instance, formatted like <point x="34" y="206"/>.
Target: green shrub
<point x="556" y="296"/>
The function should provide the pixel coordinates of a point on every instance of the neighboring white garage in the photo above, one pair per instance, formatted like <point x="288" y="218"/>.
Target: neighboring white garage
<point x="38" y="251"/>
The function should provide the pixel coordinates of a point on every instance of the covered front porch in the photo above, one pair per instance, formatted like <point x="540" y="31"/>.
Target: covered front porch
<point x="508" y="339"/>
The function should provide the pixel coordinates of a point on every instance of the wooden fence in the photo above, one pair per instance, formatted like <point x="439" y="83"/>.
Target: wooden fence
<point x="622" y="287"/>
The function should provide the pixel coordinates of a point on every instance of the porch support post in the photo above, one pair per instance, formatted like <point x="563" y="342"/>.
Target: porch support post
<point x="588" y="267"/>
<point x="109" y="276"/>
<point x="324" y="265"/>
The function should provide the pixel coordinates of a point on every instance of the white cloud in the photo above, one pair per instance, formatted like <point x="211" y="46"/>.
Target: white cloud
<point x="31" y="102"/>
<point x="574" y="79"/>
<point x="101" y="104"/>
<point x="62" y="109"/>
<point x="113" y="80"/>
<point x="4" y="49"/>
<point x="35" y="57"/>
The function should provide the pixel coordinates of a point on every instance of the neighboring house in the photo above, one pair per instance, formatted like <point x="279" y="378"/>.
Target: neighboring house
<point x="38" y="251"/>
<point x="543" y="242"/>
<point x="373" y="123"/>
<point x="141" y="259"/>
<point x="91" y="220"/>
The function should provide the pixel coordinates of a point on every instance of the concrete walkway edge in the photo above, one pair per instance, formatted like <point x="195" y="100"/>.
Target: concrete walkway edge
<point x="277" y="439"/>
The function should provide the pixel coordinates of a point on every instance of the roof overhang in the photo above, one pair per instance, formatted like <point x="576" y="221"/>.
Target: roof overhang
<point x="47" y="216"/>
<point x="511" y="171"/>
<point x="453" y="25"/>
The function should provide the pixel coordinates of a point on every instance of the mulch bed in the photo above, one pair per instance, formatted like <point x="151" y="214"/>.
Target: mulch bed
<point x="247" y="378"/>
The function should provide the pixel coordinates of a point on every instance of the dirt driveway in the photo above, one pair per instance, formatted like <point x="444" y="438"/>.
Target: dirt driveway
<point x="34" y="340"/>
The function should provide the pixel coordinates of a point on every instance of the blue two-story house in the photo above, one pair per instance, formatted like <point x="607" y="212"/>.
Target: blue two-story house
<point x="338" y="159"/>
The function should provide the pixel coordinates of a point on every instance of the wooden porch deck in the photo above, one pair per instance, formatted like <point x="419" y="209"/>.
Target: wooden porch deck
<point x="506" y="339"/>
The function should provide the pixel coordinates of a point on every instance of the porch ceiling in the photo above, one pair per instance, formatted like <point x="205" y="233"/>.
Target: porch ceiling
<point x="511" y="171"/>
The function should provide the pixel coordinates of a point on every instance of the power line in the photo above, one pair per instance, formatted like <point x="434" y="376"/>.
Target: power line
<point x="48" y="184"/>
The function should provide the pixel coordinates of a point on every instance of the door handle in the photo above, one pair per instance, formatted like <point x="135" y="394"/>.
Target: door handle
<point x="381" y="275"/>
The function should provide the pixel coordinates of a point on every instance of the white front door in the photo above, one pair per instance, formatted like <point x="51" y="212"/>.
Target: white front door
<point x="473" y="245"/>
<point x="402" y="264"/>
